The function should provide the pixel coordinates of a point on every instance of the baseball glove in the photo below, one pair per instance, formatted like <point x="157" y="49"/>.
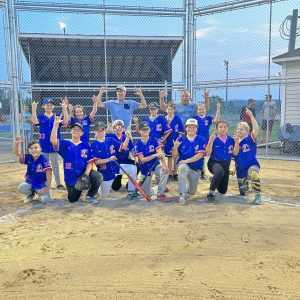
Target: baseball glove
<point x="83" y="183"/>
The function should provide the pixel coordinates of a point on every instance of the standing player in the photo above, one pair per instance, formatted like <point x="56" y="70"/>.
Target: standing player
<point x="221" y="147"/>
<point x="83" y="119"/>
<point x="190" y="150"/>
<point x="45" y="122"/>
<point x="123" y="156"/>
<point x="105" y="150"/>
<point x="38" y="175"/>
<point x="177" y="130"/>
<point x="247" y="166"/>
<point x="204" y="123"/>
<point x="77" y="160"/>
<point x="148" y="151"/>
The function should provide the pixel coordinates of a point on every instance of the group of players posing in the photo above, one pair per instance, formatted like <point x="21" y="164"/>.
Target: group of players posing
<point x="167" y="148"/>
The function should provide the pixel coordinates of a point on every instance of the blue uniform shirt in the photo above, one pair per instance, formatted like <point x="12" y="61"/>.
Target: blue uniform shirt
<point x="185" y="111"/>
<point x="85" y="122"/>
<point x="123" y="156"/>
<point x="188" y="149"/>
<point x="158" y="127"/>
<point x="36" y="171"/>
<point x="76" y="159"/>
<point x="121" y="110"/>
<point x="246" y="156"/>
<point x="101" y="150"/>
<point x="147" y="149"/>
<point x="177" y="128"/>
<point x="46" y="125"/>
<point x="204" y="126"/>
<point x="222" y="151"/>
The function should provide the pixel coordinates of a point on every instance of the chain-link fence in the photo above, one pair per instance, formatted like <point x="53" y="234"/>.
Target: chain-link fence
<point x="70" y="48"/>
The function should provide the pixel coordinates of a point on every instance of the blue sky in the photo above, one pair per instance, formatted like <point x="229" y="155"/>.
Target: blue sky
<point x="241" y="37"/>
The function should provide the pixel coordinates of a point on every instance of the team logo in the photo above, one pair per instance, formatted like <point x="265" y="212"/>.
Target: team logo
<point x="84" y="122"/>
<point x="196" y="148"/>
<point x="206" y="123"/>
<point x="84" y="153"/>
<point x="245" y="148"/>
<point x="176" y="128"/>
<point x="151" y="148"/>
<point x="39" y="168"/>
<point x="230" y="149"/>
<point x="158" y="127"/>
<point x="68" y="166"/>
<point x="112" y="149"/>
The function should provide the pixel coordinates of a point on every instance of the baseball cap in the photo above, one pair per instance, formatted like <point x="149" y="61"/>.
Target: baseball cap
<point x="143" y="125"/>
<point x="118" y="122"/>
<point x="191" y="122"/>
<point x="47" y="101"/>
<point x="268" y="96"/>
<point x="100" y="125"/>
<point x="153" y="105"/>
<point x="78" y="125"/>
<point x="121" y="87"/>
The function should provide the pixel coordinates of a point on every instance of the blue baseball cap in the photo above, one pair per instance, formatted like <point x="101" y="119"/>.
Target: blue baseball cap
<point x="47" y="101"/>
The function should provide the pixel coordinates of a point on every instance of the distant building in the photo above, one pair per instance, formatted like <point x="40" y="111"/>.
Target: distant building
<point x="290" y="93"/>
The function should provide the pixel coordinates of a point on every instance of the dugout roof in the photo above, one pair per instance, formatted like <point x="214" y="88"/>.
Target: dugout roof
<point x="288" y="56"/>
<point x="77" y="58"/>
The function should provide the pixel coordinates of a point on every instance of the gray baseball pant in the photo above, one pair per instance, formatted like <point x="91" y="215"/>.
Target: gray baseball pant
<point x="26" y="189"/>
<point x="53" y="159"/>
<point x="187" y="179"/>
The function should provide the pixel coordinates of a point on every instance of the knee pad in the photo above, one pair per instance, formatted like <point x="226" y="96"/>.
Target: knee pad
<point x="253" y="174"/>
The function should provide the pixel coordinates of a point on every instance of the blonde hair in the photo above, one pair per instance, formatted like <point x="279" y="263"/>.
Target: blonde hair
<point x="243" y="124"/>
<point x="172" y="105"/>
<point x="201" y="104"/>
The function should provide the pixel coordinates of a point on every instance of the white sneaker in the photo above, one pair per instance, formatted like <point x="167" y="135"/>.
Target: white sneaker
<point x="91" y="200"/>
<point x="182" y="200"/>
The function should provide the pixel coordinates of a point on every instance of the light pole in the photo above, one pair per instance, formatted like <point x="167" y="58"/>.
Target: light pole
<point x="62" y="27"/>
<point x="226" y="62"/>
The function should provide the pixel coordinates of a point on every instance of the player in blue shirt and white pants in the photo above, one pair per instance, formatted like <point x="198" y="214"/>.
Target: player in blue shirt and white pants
<point x="77" y="160"/>
<point x="247" y="166"/>
<point x="189" y="151"/>
<point x="148" y="150"/>
<point x="38" y="175"/>
<point x="221" y="147"/>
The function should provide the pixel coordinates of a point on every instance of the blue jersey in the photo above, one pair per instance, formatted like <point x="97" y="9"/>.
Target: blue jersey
<point x="36" y="170"/>
<point x="123" y="156"/>
<point x="121" y="110"/>
<point x="177" y="128"/>
<point x="76" y="159"/>
<point x="188" y="149"/>
<point x="185" y="111"/>
<point x="204" y="126"/>
<point x="158" y="126"/>
<point x="85" y="122"/>
<point x="246" y="156"/>
<point x="46" y="125"/>
<point x="222" y="151"/>
<point x="101" y="150"/>
<point x="147" y="149"/>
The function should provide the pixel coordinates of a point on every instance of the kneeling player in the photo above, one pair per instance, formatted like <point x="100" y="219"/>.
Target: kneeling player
<point x="247" y="166"/>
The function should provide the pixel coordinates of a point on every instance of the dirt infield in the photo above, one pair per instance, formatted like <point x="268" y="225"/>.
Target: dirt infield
<point x="139" y="250"/>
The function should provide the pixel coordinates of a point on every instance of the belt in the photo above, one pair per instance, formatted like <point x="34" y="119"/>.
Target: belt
<point x="195" y="169"/>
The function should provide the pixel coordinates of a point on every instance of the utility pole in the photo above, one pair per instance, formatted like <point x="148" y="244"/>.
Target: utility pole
<point x="293" y="31"/>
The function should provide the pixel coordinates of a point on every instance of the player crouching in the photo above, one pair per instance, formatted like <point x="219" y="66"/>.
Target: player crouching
<point x="189" y="151"/>
<point x="78" y="163"/>
<point x="39" y="173"/>
<point x="247" y="166"/>
<point x="148" y="150"/>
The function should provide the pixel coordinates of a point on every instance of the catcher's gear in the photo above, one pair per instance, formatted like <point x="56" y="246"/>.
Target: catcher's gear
<point x="83" y="183"/>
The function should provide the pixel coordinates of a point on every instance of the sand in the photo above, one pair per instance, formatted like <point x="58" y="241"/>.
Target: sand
<point x="140" y="250"/>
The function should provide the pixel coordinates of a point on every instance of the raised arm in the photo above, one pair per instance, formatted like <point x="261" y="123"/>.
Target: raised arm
<point x="95" y="107"/>
<point x="236" y="147"/>
<point x="66" y="117"/>
<point x="102" y="90"/>
<point x="175" y="152"/>
<point x="143" y="100"/>
<point x="53" y="137"/>
<point x="136" y="123"/>
<point x="17" y="142"/>
<point x="35" y="120"/>
<point x="218" y="113"/>
<point x="163" y="106"/>
<point x="206" y="100"/>
<point x="255" y="127"/>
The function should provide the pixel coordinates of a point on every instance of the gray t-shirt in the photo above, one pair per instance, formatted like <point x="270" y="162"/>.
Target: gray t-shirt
<point x="268" y="110"/>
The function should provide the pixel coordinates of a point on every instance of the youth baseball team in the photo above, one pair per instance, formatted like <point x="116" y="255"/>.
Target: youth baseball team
<point x="171" y="147"/>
